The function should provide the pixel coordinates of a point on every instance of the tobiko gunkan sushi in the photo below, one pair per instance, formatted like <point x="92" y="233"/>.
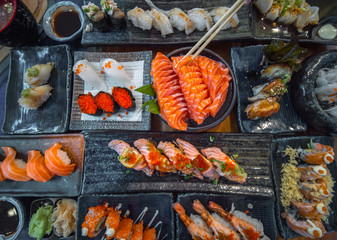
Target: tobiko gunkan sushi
<point x="106" y="102"/>
<point x="87" y="104"/>
<point x="124" y="98"/>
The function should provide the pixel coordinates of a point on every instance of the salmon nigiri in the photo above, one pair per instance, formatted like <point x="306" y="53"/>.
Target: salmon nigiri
<point x="12" y="168"/>
<point x="36" y="167"/>
<point x="57" y="161"/>
<point x="2" y="177"/>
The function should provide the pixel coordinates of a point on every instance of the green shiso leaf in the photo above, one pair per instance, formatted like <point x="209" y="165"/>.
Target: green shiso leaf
<point x="146" y="89"/>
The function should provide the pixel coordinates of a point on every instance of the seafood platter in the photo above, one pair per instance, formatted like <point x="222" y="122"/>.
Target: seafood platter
<point x="132" y="142"/>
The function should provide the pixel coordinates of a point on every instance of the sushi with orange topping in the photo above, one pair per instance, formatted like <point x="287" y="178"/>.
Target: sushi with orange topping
<point x="317" y="153"/>
<point x="106" y="103"/>
<point x="87" y="105"/>
<point x="94" y="221"/>
<point x="36" y="167"/>
<point x="58" y="161"/>
<point x="124" y="98"/>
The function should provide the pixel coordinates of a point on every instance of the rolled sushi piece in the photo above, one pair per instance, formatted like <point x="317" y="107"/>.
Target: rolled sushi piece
<point x="106" y="102"/>
<point x="33" y="98"/>
<point x="87" y="73"/>
<point x="124" y="98"/>
<point x="140" y="18"/>
<point x="115" y="16"/>
<point x="116" y="71"/>
<point x="38" y="74"/>
<point x="87" y="105"/>
<point x="96" y="16"/>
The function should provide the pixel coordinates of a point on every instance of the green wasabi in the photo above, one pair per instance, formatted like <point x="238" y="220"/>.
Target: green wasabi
<point x="41" y="224"/>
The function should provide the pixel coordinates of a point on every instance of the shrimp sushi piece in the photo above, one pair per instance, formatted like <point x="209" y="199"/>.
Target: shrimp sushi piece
<point x="225" y="166"/>
<point x="140" y="18"/>
<point x="201" y="19"/>
<point x="180" y="161"/>
<point x="217" y="13"/>
<point x="130" y="157"/>
<point x="313" y="228"/>
<point x="137" y="231"/>
<point x="33" y="98"/>
<point x="313" y="172"/>
<point x="12" y="168"/>
<point x="57" y="161"/>
<point x="247" y="229"/>
<point x="317" y="154"/>
<point x="124" y="230"/>
<point x="39" y="74"/>
<point x="94" y="221"/>
<point x="116" y="71"/>
<point x="36" y="167"/>
<point x="160" y="22"/>
<point x="220" y="230"/>
<point x="154" y="158"/>
<point x="173" y="106"/>
<point x="312" y="210"/>
<point x="197" y="232"/>
<point x="263" y="5"/>
<point x="180" y="20"/>
<point x="87" y="73"/>
<point x="112" y="222"/>
<point x="198" y="161"/>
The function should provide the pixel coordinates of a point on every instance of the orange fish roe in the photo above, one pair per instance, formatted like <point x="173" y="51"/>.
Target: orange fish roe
<point x="132" y="87"/>
<point x="120" y="67"/>
<point x="246" y="211"/>
<point x="79" y="69"/>
<point x="126" y="113"/>
<point x="93" y="218"/>
<point x="105" y="102"/>
<point x="123" y="97"/>
<point x="102" y="72"/>
<point x="87" y="104"/>
<point x="108" y="64"/>
<point x="120" y="116"/>
<point x="108" y="114"/>
<point x="104" y="118"/>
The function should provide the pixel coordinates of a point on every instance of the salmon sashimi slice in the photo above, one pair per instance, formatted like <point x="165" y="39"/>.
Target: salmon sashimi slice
<point x="137" y="231"/>
<point x="130" y="157"/>
<point x="112" y="222"/>
<point x="179" y="160"/>
<point x="149" y="234"/>
<point x="224" y="165"/>
<point x="36" y="167"/>
<point x="198" y="161"/>
<point x="219" y="100"/>
<point x="124" y="230"/>
<point x="12" y="168"/>
<point x="153" y="156"/>
<point x="165" y="84"/>
<point x="2" y="177"/>
<point x="57" y="161"/>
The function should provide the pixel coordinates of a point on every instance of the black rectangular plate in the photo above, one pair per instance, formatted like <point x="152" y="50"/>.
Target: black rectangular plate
<point x="280" y="145"/>
<point x="263" y="209"/>
<point x="69" y="186"/>
<point x="246" y="60"/>
<point x="103" y="173"/>
<point x="135" y="203"/>
<point x="53" y="115"/>
<point x="76" y="123"/>
<point x="133" y="35"/>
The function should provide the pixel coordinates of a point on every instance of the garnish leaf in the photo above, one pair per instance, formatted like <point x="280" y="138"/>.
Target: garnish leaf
<point x="153" y="106"/>
<point x="147" y="90"/>
<point x="211" y="139"/>
<point x="311" y="144"/>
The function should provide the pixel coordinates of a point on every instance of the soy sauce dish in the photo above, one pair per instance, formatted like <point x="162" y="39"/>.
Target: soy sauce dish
<point x="63" y="21"/>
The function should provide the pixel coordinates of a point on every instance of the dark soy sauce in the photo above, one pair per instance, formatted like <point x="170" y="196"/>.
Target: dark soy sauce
<point x="9" y="219"/>
<point x="66" y="23"/>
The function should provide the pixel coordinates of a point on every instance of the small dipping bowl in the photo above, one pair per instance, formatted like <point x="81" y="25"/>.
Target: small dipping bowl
<point x="12" y="215"/>
<point x="60" y="21"/>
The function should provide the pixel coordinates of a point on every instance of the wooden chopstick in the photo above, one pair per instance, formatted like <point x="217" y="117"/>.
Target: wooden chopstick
<point x="208" y="37"/>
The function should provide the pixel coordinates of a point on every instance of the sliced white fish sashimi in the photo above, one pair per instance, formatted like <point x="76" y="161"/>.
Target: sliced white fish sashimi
<point x="116" y="71"/>
<point x="140" y="18"/>
<point x="201" y="19"/>
<point x="160" y="22"/>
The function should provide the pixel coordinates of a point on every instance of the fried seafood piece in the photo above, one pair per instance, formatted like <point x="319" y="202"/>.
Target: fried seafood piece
<point x="262" y="108"/>
<point x="312" y="210"/>
<point x="130" y="157"/>
<point x="93" y="223"/>
<point x="313" y="172"/>
<point x="317" y="153"/>
<point x="197" y="232"/>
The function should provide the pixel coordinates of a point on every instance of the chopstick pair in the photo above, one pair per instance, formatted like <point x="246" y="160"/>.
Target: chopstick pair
<point x="208" y="37"/>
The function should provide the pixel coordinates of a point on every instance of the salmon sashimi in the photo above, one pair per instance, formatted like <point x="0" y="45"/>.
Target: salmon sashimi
<point x="179" y="160"/>
<point x="153" y="156"/>
<point x="130" y="157"/>
<point x="124" y="230"/>
<point x="313" y="172"/>
<point x="197" y="232"/>
<point x="36" y="167"/>
<point x="225" y="166"/>
<point x="312" y="210"/>
<point x="112" y="222"/>
<point x="166" y="83"/>
<point x="137" y="231"/>
<point x="2" y="177"/>
<point x="57" y="161"/>
<point x="12" y="168"/>
<point x="317" y="154"/>
<point x="149" y="234"/>
<point x="94" y="221"/>
<point x="198" y="161"/>
<point x="315" y="190"/>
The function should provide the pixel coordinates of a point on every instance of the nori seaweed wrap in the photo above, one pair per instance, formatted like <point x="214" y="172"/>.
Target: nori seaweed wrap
<point x="97" y="17"/>
<point x="124" y="98"/>
<point x="115" y="16"/>
<point x="106" y="102"/>
<point x="88" y="105"/>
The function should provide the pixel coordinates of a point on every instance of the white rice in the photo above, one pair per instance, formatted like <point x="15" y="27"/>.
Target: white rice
<point x="223" y="221"/>
<point x="63" y="156"/>
<point x="257" y="223"/>
<point x="201" y="223"/>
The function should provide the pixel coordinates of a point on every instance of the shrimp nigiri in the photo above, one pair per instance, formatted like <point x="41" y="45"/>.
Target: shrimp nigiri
<point x="57" y="161"/>
<point x="36" y="167"/>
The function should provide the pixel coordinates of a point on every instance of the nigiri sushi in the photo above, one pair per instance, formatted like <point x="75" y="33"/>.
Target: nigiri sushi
<point x="311" y="210"/>
<point x="263" y="5"/>
<point x="58" y="161"/>
<point x="180" y="20"/>
<point x="36" y="167"/>
<point x="39" y="74"/>
<point x="140" y="18"/>
<point x="124" y="98"/>
<point x="115" y="71"/>
<point x="115" y="15"/>
<point x="33" y="98"/>
<point x="96" y="16"/>
<point x="12" y="168"/>
<point x="94" y="221"/>
<point x="217" y="13"/>
<point x="87" y="73"/>
<point x="87" y="104"/>
<point x="160" y="22"/>
<point x="317" y="153"/>
<point x="201" y="19"/>
<point x="106" y="103"/>
<point x="262" y="108"/>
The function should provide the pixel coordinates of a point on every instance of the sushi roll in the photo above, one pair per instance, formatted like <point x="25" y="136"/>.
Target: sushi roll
<point x="88" y="105"/>
<point x="161" y="22"/>
<point x="106" y="102"/>
<point x="201" y="19"/>
<point x="38" y="74"/>
<point x="115" y="71"/>
<point x="115" y="15"/>
<point x="96" y="16"/>
<point x="94" y="221"/>
<point x="124" y="98"/>
<point x="33" y="98"/>
<point x="140" y="18"/>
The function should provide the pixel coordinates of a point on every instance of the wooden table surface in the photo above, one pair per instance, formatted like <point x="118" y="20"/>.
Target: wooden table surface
<point x="229" y="125"/>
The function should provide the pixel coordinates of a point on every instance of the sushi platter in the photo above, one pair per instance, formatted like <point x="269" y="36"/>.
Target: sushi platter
<point x="122" y="134"/>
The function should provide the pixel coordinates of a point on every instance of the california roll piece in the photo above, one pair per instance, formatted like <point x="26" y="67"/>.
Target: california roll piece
<point x="115" y="70"/>
<point x="124" y="230"/>
<point x="140" y="18"/>
<point x="115" y="15"/>
<point x="317" y="153"/>
<point x="87" y="105"/>
<point x="33" y="98"/>
<point x="96" y="16"/>
<point x="94" y="221"/>
<point x="39" y="74"/>
<point x="36" y="167"/>
<point x="112" y="221"/>
<point x="124" y="98"/>
<point x="160" y="22"/>
<point x="106" y="102"/>
<point x="201" y="19"/>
